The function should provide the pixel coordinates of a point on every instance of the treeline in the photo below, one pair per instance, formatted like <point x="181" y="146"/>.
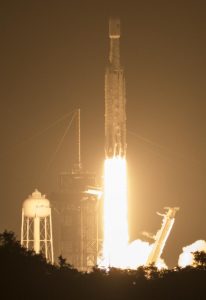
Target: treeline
<point x="26" y="275"/>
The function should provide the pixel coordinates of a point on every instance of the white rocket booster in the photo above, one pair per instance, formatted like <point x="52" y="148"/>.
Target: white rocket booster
<point x="115" y="100"/>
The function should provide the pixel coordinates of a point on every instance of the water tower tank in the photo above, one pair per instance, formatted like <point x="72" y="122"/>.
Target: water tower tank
<point x="36" y="205"/>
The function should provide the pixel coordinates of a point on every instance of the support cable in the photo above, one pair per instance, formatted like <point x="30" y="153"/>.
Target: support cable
<point x="61" y="141"/>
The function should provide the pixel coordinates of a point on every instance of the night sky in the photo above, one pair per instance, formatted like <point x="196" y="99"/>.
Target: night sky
<point x="53" y="56"/>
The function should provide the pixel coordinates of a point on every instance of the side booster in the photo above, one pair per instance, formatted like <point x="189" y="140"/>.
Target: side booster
<point x="115" y="99"/>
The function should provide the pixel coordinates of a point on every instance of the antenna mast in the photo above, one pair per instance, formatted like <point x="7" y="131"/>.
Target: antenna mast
<point x="78" y="164"/>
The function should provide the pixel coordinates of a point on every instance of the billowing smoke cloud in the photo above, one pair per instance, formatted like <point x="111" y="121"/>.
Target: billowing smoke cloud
<point x="137" y="255"/>
<point x="186" y="257"/>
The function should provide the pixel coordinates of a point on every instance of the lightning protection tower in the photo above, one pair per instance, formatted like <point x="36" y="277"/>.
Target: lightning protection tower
<point x="36" y="229"/>
<point x="77" y="206"/>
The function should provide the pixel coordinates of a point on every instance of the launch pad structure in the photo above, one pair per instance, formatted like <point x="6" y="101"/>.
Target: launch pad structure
<point x="77" y="207"/>
<point x="162" y="234"/>
<point x="77" y="220"/>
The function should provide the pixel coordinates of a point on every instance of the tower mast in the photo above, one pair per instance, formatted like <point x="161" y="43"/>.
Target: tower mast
<point x="79" y="139"/>
<point x="77" y="163"/>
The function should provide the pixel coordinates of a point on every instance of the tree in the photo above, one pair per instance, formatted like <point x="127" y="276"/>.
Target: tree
<point x="151" y="271"/>
<point x="200" y="259"/>
<point x="63" y="264"/>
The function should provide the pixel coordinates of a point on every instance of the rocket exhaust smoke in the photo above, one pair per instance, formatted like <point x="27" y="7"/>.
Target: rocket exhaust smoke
<point x="186" y="258"/>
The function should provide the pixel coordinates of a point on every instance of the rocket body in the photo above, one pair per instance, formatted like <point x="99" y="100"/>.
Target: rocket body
<point x="115" y="98"/>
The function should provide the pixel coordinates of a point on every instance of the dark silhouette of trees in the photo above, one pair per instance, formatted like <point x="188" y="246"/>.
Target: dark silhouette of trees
<point x="200" y="259"/>
<point x="22" y="272"/>
<point x="27" y="275"/>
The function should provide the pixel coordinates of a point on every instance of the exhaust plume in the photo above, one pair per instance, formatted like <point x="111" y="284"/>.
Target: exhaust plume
<point x="186" y="258"/>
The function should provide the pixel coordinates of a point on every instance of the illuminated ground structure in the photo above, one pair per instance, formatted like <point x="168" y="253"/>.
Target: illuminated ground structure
<point x="77" y="215"/>
<point x="36" y="228"/>
<point x="162" y="235"/>
<point x="115" y="173"/>
<point x="76" y="220"/>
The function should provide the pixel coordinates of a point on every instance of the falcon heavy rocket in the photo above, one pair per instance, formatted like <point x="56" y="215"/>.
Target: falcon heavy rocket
<point x="115" y="100"/>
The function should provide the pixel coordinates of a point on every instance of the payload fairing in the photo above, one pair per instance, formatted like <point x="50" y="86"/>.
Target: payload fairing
<point x="115" y="99"/>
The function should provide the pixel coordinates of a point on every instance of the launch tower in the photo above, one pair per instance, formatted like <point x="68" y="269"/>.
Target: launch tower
<point x="77" y="213"/>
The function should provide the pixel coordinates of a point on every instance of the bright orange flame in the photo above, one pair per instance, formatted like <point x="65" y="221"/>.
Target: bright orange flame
<point x="115" y="212"/>
<point x="117" y="252"/>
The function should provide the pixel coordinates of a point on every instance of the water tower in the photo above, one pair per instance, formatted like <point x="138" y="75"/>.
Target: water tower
<point x="36" y="228"/>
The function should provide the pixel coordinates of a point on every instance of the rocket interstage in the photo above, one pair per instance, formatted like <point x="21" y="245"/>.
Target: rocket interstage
<point x="115" y="99"/>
